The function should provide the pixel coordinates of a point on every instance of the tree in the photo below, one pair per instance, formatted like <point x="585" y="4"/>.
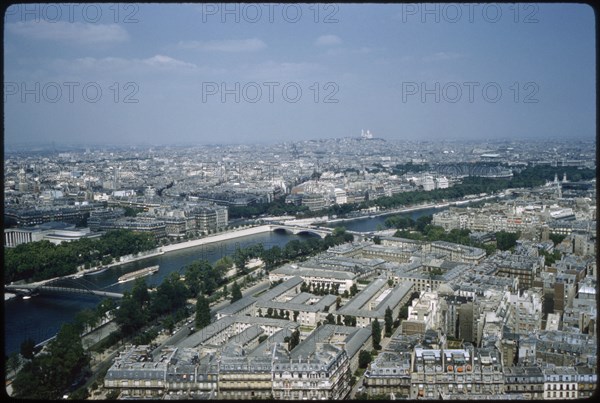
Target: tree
<point x="422" y="222"/>
<point x="376" y="334"/>
<point x="294" y="340"/>
<point x="557" y="238"/>
<point x="225" y="291"/>
<point x="272" y="256"/>
<point x="339" y="231"/>
<point x="169" y="324"/>
<point x="28" y="348"/>
<point x="130" y="316"/>
<point x="377" y="240"/>
<point x="403" y="314"/>
<point x="399" y="222"/>
<point x="364" y="358"/>
<point x="236" y="292"/>
<point x="506" y="240"/>
<point x="47" y="377"/>
<point x="353" y="290"/>
<point x="330" y="319"/>
<point x="240" y="258"/>
<point x="389" y="322"/>
<point x="223" y="264"/>
<point x="139" y="292"/>
<point x="202" y="312"/>
<point x="13" y="362"/>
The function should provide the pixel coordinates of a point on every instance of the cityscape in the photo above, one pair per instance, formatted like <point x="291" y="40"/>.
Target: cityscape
<point x="294" y="230"/>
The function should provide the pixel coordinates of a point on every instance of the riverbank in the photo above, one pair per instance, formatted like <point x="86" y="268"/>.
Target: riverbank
<point x="389" y="212"/>
<point x="236" y="233"/>
<point x="410" y="209"/>
<point x="178" y="246"/>
<point x="122" y="260"/>
<point x="225" y="236"/>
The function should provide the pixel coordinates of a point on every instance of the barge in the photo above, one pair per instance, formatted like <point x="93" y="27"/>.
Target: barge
<point x="138" y="273"/>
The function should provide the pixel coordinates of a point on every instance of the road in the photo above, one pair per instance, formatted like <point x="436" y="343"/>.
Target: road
<point x="384" y="343"/>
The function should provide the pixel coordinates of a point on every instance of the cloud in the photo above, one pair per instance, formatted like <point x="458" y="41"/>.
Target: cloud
<point x="226" y="45"/>
<point x="168" y="62"/>
<point x="113" y="65"/>
<point x="441" y="56"/>
<point x="75" y="32"/>
<point x="328" y="40"/>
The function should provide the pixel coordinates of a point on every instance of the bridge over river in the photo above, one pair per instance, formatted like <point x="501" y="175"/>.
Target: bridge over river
<point x="77" y="286"/>
<point x="314" y="230"/>
<point x="299" y="229"/>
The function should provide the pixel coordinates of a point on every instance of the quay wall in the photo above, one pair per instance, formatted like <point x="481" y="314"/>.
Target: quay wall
<point x="216" y="238"/>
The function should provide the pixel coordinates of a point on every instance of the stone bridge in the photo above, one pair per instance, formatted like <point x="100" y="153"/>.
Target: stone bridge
<point x="296" y="230"/>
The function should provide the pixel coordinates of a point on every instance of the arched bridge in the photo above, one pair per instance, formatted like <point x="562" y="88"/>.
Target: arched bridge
<point x="63" y="286"/>
<point x="293" y="229"/>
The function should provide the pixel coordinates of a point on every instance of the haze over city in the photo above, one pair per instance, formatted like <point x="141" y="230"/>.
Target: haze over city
<point x="255" y="73"/>
<point x="300" y="201"/>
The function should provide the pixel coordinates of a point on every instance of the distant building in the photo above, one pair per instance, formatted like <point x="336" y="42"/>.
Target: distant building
<point x="55" y="232"/>
<point x="148" y="225"/>
<point x="314" y="201"/>
<point x="372" y="302"/>
<point x="423" y="314"/>
<point x="324" y="276"/>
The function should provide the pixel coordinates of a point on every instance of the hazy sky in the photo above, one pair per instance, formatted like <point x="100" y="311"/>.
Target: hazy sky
<point x="216" y="73"/>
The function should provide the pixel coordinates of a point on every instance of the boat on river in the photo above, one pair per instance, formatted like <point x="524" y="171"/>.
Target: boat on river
<point x="138" y="273"/>
<point x="97" y="271"/>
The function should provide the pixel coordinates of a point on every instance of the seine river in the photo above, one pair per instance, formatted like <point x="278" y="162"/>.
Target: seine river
<point x="40" y="317"/>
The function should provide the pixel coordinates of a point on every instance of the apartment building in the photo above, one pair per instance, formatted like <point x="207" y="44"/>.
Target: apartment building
<point x="560" y="383"/>
<point x="323" y="374"/>
<point x="438" y="372"/>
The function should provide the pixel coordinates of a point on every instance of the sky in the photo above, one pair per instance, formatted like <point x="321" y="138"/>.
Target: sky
<point x="208" y="73"/>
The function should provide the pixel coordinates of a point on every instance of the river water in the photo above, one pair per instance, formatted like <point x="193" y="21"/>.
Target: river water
<point x="378" y="222"/>
<point x="40" y="317"/>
